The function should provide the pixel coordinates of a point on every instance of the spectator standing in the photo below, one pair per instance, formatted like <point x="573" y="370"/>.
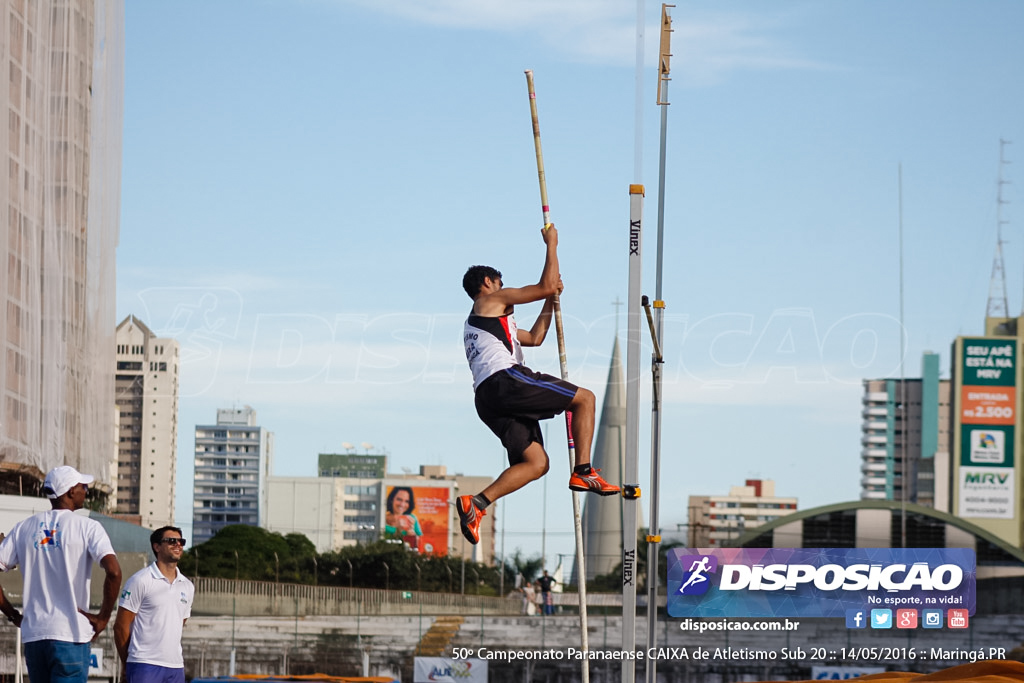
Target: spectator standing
<point x="56" y="550"/>
<point x="155" y="603"/>
<point x="546" y="582"/>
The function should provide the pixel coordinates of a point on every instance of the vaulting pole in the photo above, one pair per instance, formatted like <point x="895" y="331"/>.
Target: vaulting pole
<point x="581" y="573"/>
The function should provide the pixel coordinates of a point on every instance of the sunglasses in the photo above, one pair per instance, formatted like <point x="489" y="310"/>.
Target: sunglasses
<point x="173" y="541"/>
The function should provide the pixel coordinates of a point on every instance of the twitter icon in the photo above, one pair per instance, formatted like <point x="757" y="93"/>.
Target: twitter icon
<point x="881" y="618"/>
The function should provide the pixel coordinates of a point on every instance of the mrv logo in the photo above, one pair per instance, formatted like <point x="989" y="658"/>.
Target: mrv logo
<point x="979" y="478"/>
<point x="808" y="582"/>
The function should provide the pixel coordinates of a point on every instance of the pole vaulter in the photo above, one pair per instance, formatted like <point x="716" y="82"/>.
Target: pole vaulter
<point x="577" y="517"/>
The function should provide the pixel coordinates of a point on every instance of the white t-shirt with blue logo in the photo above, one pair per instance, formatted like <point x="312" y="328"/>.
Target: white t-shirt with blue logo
<point x="56" y="550"/>
<point x="161" y="608"/>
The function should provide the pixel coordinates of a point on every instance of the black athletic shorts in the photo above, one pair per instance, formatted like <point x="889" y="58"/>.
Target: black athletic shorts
<point x="513" y="401"/>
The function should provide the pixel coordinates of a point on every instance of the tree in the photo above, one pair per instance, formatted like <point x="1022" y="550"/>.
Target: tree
<point x="255" y="560"/>
<point x="528" y="567"/>
<point x="384" y="564"/>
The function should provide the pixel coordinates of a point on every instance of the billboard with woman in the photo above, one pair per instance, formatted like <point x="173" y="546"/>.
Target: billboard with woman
<point x="418" y="515"/>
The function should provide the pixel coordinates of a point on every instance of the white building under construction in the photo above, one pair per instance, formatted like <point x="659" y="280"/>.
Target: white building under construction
<point x="61" y="100"/>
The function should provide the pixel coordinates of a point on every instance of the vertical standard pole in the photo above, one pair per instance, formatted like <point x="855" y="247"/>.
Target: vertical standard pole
<point x="631" y="474"/>
<point x="658" y="329"/>
<point x="581" y="573"/>
<point x="18" y="674"/>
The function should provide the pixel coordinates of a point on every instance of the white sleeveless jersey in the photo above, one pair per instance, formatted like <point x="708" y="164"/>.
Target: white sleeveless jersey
<point x="491" y="345"/>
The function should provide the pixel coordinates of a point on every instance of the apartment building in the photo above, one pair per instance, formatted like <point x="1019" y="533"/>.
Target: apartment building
<point x="233" y="461"/>
<point x="717" y="521"/>
<point x="146" y="396"/>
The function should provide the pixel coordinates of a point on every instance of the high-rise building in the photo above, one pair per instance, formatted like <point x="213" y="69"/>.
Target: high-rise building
<point x="146" y="395"/>
<point x="717" y="521"/>
<point x="59" y="208"/>
<point x="905" y="429"/>
<point x="233" y="461"/>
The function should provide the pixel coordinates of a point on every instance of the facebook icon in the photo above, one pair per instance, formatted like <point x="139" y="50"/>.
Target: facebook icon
<point x="856" y="618"/>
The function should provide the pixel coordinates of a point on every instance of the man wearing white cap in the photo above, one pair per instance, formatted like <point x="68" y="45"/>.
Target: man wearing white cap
<point x="56" y="550"/>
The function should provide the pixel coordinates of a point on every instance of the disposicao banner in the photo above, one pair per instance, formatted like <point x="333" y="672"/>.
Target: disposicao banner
<point x="817" y="582"/>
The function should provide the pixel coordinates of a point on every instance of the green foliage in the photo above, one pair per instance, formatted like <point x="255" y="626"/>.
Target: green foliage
<point x="390" y="564"/>
<point x="251" y="553"/>
<point x="529" y="567"/>
<point x="384" y="564"/>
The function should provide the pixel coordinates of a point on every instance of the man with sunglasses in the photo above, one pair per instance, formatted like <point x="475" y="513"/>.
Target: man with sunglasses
<point x="56" y="550"/>
<point x="155" y="603"/>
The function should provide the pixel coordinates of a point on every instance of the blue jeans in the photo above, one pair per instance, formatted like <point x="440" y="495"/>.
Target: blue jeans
<point x="54" y="661"/>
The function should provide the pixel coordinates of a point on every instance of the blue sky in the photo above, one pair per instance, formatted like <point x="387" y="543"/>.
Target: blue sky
<point x="305" y="182"/>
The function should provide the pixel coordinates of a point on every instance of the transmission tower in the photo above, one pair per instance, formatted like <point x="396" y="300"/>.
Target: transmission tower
<point x="997" y="303"/>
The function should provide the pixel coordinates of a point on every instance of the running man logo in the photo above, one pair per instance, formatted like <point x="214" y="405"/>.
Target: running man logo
<point x="695" y="581"/>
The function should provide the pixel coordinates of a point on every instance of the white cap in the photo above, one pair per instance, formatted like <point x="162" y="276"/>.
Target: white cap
<point x="61" y="479"/>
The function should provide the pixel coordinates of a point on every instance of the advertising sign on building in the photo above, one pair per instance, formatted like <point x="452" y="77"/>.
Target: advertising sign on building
<point x="418" y="515"/>
<point x="986" y="492"/>
<point x="987" y="418"/>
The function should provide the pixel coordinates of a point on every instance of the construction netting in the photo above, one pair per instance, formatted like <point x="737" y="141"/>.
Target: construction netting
<point x="62" y="92"/>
